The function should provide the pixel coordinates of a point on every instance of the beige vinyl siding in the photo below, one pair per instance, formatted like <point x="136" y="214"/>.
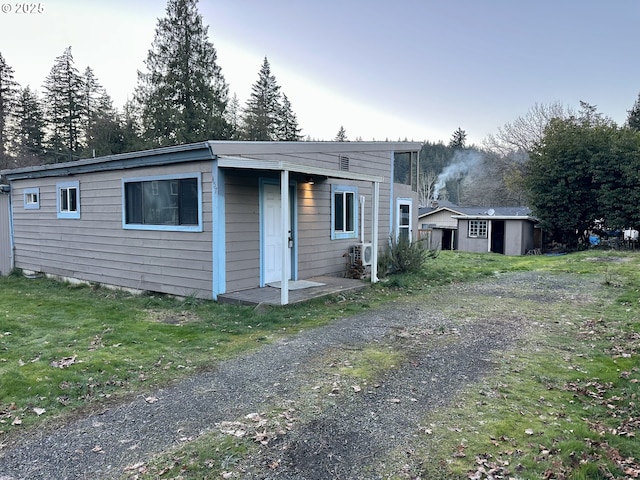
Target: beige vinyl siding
<point x="317" y="253"/>
<point x="96" y="248"/>
<point x="242" y="225"/>
<point x="441" y="219"/>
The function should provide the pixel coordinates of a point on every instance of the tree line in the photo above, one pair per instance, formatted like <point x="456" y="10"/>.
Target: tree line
<point x="181" y="97"/>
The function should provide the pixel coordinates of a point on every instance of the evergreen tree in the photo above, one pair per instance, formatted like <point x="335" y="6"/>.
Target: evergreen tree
<point x="288" y="129"/>
<point x="563" y="187"/>
<point x="28" y="129"/>
<point x="342" y="135"/>
<point x="232" y="117"/>
<point x="131" y="128"/>
<point x="262" y="111"/>
<point x="633" y="119"/>
<point x="64" y="108"/>
<point x="92" y="93"/>
<point x="459" y="138"/>
<point x="105" y="133"/>
<point x="183" y="95"/>
<point x="8" y="91"/>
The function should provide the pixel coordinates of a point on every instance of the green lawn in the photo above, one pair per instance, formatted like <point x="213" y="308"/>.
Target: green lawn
<point x="65" y="349"/>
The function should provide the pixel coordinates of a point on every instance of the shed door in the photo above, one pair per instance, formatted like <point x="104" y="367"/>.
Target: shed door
<point x="5" y="235"/>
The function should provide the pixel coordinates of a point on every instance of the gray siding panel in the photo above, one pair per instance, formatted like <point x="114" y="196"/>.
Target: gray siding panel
<point x="96" y="248"/>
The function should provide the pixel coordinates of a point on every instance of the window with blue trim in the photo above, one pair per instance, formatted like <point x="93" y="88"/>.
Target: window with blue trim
<point x="31" y="198"/>
<point x="68" y="199"/>
<point x="344" y="212"/>
<point x="166" y="202"/>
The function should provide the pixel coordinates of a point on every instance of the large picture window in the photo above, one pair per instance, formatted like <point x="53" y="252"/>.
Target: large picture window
<point x="478" y="228"/>
<point x="344" y="212"/>
<point x="68" y="199"/>
<point x="171" y="203"/>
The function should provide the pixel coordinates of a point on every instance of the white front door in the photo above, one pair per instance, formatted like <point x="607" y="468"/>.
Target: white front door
<point x="272" y="241"/>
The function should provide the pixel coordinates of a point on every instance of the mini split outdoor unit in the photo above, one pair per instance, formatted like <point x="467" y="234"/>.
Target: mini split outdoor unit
<point x="363" y="252"/>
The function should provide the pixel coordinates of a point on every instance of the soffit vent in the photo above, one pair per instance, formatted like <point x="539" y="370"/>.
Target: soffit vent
<point x="344" y="163"/>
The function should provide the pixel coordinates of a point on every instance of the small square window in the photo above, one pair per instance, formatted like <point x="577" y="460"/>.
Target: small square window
<point x="478" y="228"/>
<point x="68" y="199"/>
<point x="31" y="198"/>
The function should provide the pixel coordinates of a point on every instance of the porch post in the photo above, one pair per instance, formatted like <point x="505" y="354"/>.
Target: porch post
<point x="374" y="232"/>
<point x="489" y="231"/>
<point x="284" y="211"/>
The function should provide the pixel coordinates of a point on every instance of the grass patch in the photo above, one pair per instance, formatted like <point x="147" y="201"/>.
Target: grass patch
<point x="563" y="406"/>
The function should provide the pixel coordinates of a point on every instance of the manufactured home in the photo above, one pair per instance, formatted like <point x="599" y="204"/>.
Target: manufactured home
<point x="213" y="217"/>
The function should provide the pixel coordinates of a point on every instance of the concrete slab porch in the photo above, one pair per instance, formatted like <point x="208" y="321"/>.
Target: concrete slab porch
<point x="271" y="295"/>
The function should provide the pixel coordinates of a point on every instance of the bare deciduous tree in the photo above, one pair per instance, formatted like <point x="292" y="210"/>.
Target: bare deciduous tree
<point x="525" y="132"/>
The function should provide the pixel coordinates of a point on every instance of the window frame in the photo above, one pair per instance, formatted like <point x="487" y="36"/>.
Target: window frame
<point x="344" y="189"/>
<point x="67" y="213"/>
<point x="404" y="202"/>
<point x="411" y="169"/>
<point x="478" y="229"/>
<point x="155" y="178"/>
<point x="30" y="192"/>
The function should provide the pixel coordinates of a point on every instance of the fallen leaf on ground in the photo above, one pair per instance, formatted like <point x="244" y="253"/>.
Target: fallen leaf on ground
<point x="39" y="411"/>
<point x="65" y="362"/>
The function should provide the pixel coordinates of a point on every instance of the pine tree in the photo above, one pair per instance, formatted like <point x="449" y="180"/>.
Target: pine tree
<point x="131" y="128"/>
<point x="183" y="94"/>
<point x="459" y="138"/>
<point x="92" y="92"/>
<point x="262" y="111"/>
<point x="341" y="135"/>
<point x="633" y="120"/>
<point x="232" y="117"/>
<point x="64" y="106"/>
<point x="8" y="91"/>
<point x="288" y="129"/>
<point x="105" y="133"/>
<point x="28" y="129"/>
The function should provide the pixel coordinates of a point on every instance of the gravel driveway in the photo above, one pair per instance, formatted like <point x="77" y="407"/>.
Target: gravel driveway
<point x="344" y="431"/>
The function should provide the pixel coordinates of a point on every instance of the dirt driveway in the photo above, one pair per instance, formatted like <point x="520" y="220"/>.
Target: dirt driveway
<point x="333" y="426"/>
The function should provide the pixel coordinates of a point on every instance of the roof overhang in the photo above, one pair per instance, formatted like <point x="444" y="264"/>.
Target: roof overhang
<point x="246" y="163"/>
<point x="441" y="209"/>
<point x="495" y="217"/>
<point x="146" y="158"/>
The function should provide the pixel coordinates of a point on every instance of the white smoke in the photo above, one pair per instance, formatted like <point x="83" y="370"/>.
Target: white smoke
<point x="463" y="161"/>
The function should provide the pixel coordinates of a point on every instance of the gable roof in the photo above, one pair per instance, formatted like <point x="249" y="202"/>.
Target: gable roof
<point x="478" y="212"/>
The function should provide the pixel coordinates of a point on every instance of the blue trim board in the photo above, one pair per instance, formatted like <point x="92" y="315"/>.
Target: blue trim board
<point x="172" y="228"/>
<point x="218" y="233"/>
<point x="356" y="203"/>
<point x="73" y="184"/>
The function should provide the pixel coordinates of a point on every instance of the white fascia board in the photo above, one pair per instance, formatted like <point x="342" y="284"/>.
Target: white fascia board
<point x="277" y="165"/>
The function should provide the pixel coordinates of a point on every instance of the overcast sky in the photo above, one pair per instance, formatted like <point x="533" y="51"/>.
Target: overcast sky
<point x="381" y="68"/>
